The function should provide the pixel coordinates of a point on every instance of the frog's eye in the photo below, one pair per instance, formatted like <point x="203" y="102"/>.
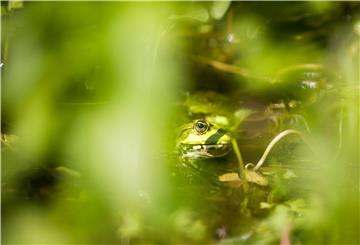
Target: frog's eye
<point x="201" y="127"/>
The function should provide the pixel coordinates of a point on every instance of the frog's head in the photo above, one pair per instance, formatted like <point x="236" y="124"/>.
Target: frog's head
<point x="201" y="139"/>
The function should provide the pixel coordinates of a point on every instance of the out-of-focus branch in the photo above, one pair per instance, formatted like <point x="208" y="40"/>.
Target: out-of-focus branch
<point x="229" y="68"/>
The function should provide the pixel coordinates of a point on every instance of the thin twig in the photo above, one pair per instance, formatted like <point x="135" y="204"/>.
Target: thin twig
<point x="274" y="141"/>
<point x="299" y="67"/>
<point x="229" y="68"/>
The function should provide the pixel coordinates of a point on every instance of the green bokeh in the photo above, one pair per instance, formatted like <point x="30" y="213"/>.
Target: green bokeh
<point x="93" y="93"/>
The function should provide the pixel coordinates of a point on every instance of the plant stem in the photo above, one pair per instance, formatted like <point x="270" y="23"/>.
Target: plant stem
<point x="274" y="141"/>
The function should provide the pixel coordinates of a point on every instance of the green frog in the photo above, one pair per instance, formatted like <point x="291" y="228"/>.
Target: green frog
<point x="201" y="139"/>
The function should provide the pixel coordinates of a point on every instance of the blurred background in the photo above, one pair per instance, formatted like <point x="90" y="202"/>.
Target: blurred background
<point x="93" y="93"/>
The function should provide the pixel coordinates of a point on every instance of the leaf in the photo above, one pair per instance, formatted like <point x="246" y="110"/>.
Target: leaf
<point x="229" y="177"/>
<point x="219" y="8"/>
<point x="68" y="171"/>
<point x="251" y="176"/>
<point x="199" y="14"/>
<point x="131" y="225"/>
<point x="280" y="218"/>
<point x="219" y="120"/>
<point x="207" y="102"/>
<point x="186" y="223"/>
<point x="232" y="179"/>
<point x="255" y="178"/>
<point x="15" y="4"/>
<point x="289" y="174"/>
<point x="239" y="116"/>
<point x="297" y="205"/>
<point x="266" y="205"/>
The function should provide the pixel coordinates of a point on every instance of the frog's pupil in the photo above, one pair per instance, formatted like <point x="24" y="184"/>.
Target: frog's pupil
<point x="201" y="125"/>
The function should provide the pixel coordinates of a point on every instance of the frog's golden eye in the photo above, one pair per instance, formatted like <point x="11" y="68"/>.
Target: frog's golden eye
<point x="201" y="126"/>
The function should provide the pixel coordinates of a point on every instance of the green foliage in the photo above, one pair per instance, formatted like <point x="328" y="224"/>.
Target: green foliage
<point x="93" y="92"/>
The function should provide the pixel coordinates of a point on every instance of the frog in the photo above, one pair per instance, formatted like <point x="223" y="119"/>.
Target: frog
<point x="201" y="139"/>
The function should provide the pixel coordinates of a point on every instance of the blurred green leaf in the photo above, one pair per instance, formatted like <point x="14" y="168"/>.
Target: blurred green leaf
<point x="218" y="9"/>
<point x="197" y="14"/>
<point x="14" y="4"/>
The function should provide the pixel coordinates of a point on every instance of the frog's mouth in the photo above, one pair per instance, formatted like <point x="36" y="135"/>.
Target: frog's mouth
<point x="205" y="150"/>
